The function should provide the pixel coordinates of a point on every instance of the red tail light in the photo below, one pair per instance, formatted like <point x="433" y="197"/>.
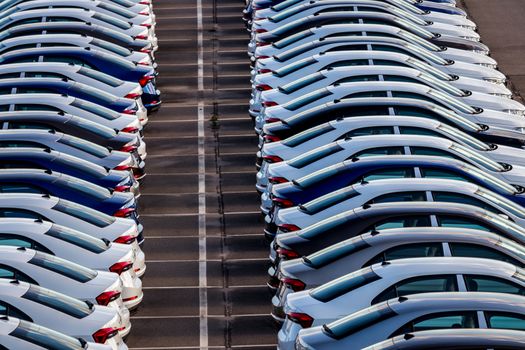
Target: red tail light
<point x="120" y="267"/>
<point x="282" y="203"/>
<point x="277" y="180"/>
<point x="288" y="228"/>
<point x="145" y="50"/>
<point x="131" y="298"/>
<point x="304" y="320"/>
<point x="293" y="283"/>
<point x="146" y="79"/>
<point x="287" y="253"/>
<point x="263" y="87"/>
<point x="264" y="70"/>
<point x="129" y="111"/>
<point x="147" y="25"/>
<point x="131" y="129"/>
<point x="144" y="13"/>
<point x="125" y="239"/>
<point x="133" y="95"/>
<point x="259" y="44"/>
<point x="124" y="212"/>
<point x="129" y="148"/>
<point x="144" y="63"/>
<point x="107" y="297"/>
<point x="260" y="30"/>
<point x="145" y="2"/>
<point x="141" y="37"/>
<point x="123" y="167"/>
<point x="269" y="103"/>
<point x="272" y="159"/>
<point x="122" y="188"/>
<point x="102" y="335"/>
<point x="272" y="120"/>
<point x="271" y="138"/>
<point x="262" y="57"/>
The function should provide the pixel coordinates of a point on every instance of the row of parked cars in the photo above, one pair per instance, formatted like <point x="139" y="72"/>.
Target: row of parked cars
<point x="77" y="83"/>
<point x="391" y="168"/>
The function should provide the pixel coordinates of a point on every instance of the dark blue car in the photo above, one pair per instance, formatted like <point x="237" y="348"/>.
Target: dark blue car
<point x="70" y="188"/>
<point x="38" y="158"/>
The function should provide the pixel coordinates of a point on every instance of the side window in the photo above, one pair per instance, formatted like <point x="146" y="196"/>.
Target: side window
<point x="466" y="319"/>
<point x="408" y="130"/>
<point x="374" y="130"/>
<point x="9" y="144"/>
<point x="451" y="197"/>
<point x="505" y="320"/>
<point x="10" y="273"/>
<point x="67" y="60"/>
<point x="18" y="241"/>
<point x="9" y="75"/>
<point x="44" y="75"/>
<point x="358" y="78"/>
<point x="347" y="63"/>
<point x="388" y="174"/>
<point x="417" y="285"/>
<point x="400" y="197"/>
<point x="19" y="213"/>
<point x="418" y="250"/>
<point x="451" y="221"/>
<point x="33" y="91"/>
<point x="426" y="151"/>
<point x="24" y="21"/>
<point x="62" y="19"/>
<point x="379" y="151"/>
<point x="23" y="125"/>
<point x="19" y="188"/>
<point x="365" y="94"/>
<point x="442" y="174"/>
<point x="415" y="221"/>
<point x="10" y="310"/>
<point x="36" y="107"/>
<point x="492" y="284"/>
<point x="478" y="251"/>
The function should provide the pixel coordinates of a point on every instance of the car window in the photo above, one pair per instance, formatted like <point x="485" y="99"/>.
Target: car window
<point x="24" y="125"/>
<point x="344" y="284"/>
<point x="505" y="320"/>
<point x="365" y="94"/>
<point x="372" y="130"/>
<point x="89" y="215"/>
<point x="332" y="253"/>
<point x="81" y="186"/>
<point x="453" y="221"/>
<point x="20" y="241"/>
<point x="491" y="284"/>
<point x="479" y="251"/>
<point x="44" y="75"/>
<point x="96" y="109"/>
<point x="324" y="202"/>
<point x="86" y="146"/>
<point x="347" y="63"/>
<point x="20" y="22"/>
<point x="379" y="151"/>
<point x="19" y="188"/>
<point x="12" y="144"/>
<point x="307" y="135"/>
<point x="36" y="107"/>
<point x="63" y="267"/>
<point x="357" y="78"/>
<point x="9" y="310"/>
<point x="451" y="197"/>
<point x="417" y="285"/>
<point x="19" y="213"/>
<point x="100" y="76"/>
<point x="119" y="50"/>
<point x="400" y="197"/>
<point x="427" y="151"/>
<point x="409" y="130"/>
<point x="314" y="155"/>
<point x="77" y="238"/>
<point x="46" y="338"/>
<point x="13" y="274"/>
<point x="65" y="59"/>
<point x="306" y="99"/>
<point x="112" y="20"/>
<point x="384" y="174"/>
<point x="457" y="319"/>
<point x="293" y="67"/>
<point x="442" y="174"/>
<point x="58" y="301"/>
<point x="410" y="221"/>
<point x="405" y="251"/>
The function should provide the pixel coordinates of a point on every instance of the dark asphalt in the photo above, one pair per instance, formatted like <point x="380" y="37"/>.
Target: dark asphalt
<point x="238" y="302"/>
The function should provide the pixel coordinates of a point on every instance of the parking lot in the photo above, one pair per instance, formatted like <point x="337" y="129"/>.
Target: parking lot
<point x="207" y="259"/>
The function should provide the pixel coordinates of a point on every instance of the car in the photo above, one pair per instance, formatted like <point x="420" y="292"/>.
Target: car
<point x="38" y="158"/>
<point x="49" y="139"/>
<point x="75" y="126"/>
<point x="465" y="106"/>
<point x="364" y="31"/>
<point x="506" y="131"/>
<point x="397" y="243"/>
<point x="297" y="243"/>
<point x="77" y="247"/>
<point x="47" y="271"/>
<point x="398" y="278"/>
<point x="69" y="105"/>
<point x="366" y="146"/>
<point x="120" y="204"/>
<point x="452" y="339"/>
<point x="20" y="334"/>
<point x="269" y="20"/>
<point x="62" y="313"/>
<point x="333" y="178"/>
<point x="76" y="73"/>
<point x="75" y="216"/>
<point x="413" y="313"/>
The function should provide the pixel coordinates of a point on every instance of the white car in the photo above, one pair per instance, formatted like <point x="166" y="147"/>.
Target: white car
<point x="62" y="313"/>
<point x="19" y="334"/>
<point x="398" y="278"/>
<point x="77" y="247"/>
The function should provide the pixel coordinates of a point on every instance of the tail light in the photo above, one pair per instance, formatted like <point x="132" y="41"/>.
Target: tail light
<point x="272" y="159"/>
<point x="265" y="70"/>
<point x="277" y="180"/>
<point x="145" y="50"/>
<point x="128" y="148"/>
<point x="131" y="129"/>
<point x="133" y="95"/>
<point x="107" y="297"/>
<point x="259" y="44"/>
<point x="288" y="228"/>
<point x="102" y="335"/>
<point x="124" y="212"/>
<point x="144" y="13"/>
<point x="263" y="87"/>
<point x="260" y="30"/>
<point x="123" y="167"/>
<point x="272" y="120"/>
<point x="262" y="57"/>
<point x="129" y="111"/>
<point x="131" y="298"/>
<point x="145" y="2"/>
<point x="141" y="37"/>
<point x="125" y="239"/>
<point x="293" y="283"/>
<point x="146" y="79"/>
<point x="282" y="203"/>
<point x="147" y="25"/>
<point x="287" y="253"/>
<point x="120" y="267"/>
<point x="304" y="320"/>
<point x="143" y="63"/>
<point x="271" y="138"/>
<point x="269" y="103"/>
<point x="122" y="188"/>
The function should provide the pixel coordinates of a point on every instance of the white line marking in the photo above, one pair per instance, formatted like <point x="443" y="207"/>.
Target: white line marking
<point x="203" y="292"/>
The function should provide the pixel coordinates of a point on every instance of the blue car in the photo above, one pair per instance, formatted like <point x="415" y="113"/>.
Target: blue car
<point x="94" y="59"/>
<point x="38" y="158"/>
<point x="47" y="182"/>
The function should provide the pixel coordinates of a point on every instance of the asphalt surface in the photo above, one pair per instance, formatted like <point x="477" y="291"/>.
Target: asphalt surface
<point x="206" y="255"/>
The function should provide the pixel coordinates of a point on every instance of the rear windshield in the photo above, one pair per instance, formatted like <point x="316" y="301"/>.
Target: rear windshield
<point x="94" y="108"/>
<point x="307" y="135"/>
<point x="312" y="156"/>
<point x="321" y="203"/>
<point x="45" y="337"/>
<point x="89" y="215"/>
<point x="82" y="165"/>
<point x="343" y="285"/>
<point x="335" y="252"/>
<point x="119" y="50"/>
<point x="93" y="127"/>
<point x="112" y="20"/>
<point x="63" y="267"/>
<point x="58" y="301"/>
<point x="103" y="77"/>
<point x="77" y="238"/>
<point x="301" y="83"/>
<point x="86" y="146"/>
<point x="87" y="188"/>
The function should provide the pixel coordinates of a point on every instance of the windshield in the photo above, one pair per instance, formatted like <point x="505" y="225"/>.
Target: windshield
<point x="86" y="146"/>
<point x="63" y="267"/>
<point x="89" y="215"/>
<point x="420" y="41"/>
<point x="501" y="185"/>
<point x="58" y="301"/>
<point x="77" y="238"/>
<point x="44" y="337"/>
<point x="428" y="69"/>
<point x="117" y="9"/>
